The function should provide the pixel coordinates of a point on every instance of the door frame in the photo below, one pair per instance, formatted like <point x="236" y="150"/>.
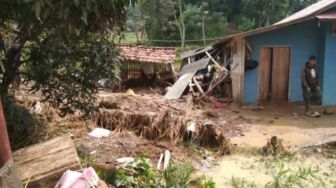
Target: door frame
<point x="289" y="72"/>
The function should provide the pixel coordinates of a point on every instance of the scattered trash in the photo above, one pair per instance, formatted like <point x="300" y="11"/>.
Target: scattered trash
<point x="93" y="152"/>
<point x="124" y="160"/>
<point x="130" y="92"/>
<point x="99" y="133"/>
<point x="165" y="158"/>
<point x="73" y="179"/>
<point x="219" y="106"/>
<point x="205" y="164"/>
<point x="37" y="108"/>
<point x="192" y="127"/>
<point x="295" y="115"/>
<point x="208" y="162"/>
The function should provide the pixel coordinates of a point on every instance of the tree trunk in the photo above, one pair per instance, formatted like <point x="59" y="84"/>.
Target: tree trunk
<point x="203" y="31"/>
<point x="5" y="150"/>
<point x="183" y="30"/>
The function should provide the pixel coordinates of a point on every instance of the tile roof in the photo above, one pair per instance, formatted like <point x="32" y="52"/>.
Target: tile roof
<point x="148" y="54"/>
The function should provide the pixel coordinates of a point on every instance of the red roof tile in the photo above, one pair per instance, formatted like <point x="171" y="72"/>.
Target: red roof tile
<point x="148" y="54"/>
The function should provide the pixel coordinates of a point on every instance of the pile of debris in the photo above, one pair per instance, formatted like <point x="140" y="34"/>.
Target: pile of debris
<point x="151" y="117"/>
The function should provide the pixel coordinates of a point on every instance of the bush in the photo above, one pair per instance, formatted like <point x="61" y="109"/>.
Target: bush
<point x="22" y="125"/>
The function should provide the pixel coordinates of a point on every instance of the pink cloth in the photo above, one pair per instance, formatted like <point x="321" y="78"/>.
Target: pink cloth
<point x="72" y="179"/>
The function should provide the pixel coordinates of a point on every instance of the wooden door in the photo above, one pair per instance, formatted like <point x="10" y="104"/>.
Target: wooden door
<point x="280" y="75"/>
<point x="265" y="74"/>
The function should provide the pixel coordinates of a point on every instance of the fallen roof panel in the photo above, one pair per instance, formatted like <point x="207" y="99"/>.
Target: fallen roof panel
<point x="194" y="66"/>
<point x="177" y="89"/>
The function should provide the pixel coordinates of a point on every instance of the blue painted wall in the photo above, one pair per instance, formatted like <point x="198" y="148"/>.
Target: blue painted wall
<point x="303" y="38"/>
<point x="329" y="76"/>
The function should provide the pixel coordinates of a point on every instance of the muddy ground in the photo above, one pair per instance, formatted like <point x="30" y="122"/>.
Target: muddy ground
<point x="246" y="127"/>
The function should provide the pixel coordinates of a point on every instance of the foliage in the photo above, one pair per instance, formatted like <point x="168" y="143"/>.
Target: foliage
<point x="178" y="175"/>
<point x="237" y="182"/>
<point x="21" y="124"/>
<point x="66" y="47"/>
<point x="141" y="174"/>
<point x="161" y="28"/>
<point x="287" y="178"/>
<point x="204" y="182"/>
<point x="85" y="159"/>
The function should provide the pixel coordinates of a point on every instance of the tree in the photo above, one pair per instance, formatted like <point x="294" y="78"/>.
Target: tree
<point x="66" y="47"/>
<point x="180" y="20"/>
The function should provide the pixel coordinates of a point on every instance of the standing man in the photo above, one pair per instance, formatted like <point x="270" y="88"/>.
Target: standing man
<point x="311" y="86"/>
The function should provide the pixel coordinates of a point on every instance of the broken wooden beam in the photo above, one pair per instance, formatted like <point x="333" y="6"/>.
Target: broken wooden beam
<point x="216" y="63"/>
<point x="218" y="82"/>
<point x="42" y="165"/>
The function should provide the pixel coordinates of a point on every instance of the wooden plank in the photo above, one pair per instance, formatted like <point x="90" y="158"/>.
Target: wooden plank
<point x="280" y="74"/>
<point x="9" y="177"/>
<point x="222" y="77"/>
<point x="44" y="163"/>
<point x="265" y="74"/>
<point x="238" y="74"/>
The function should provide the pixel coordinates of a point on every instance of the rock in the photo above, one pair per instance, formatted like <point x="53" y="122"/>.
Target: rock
<point x="205" y="164"/>
<point x="329" y="111"/>
<point x="211" y="113"/>
<point x="318" y="150"/>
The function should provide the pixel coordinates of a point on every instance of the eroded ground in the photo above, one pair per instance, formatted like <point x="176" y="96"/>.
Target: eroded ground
<point x="246" y="127"/>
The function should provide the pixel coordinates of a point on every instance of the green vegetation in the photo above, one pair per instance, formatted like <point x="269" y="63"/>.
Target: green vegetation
<point x="237" y="182"/>
<point x="65" y="48"/>
<point x="141" y="174"/>
<point x="289" y="178"/>
<point x="201" y="22"/>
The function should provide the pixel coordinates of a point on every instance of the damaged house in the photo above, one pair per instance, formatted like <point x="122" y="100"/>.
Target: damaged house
<point x="282" y="50"/>
<point x="265" y="64"/>
<point x="141" y="60"/>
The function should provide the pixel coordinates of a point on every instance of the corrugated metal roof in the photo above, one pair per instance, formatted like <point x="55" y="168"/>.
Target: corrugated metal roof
<point x="327" y="16"/>
<point x="303" y="15"/>
<point x="309" y="11"/>
<point x="148" y="54"/>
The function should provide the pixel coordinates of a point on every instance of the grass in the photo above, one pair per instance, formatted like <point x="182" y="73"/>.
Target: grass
<point x="86" y="159"/>
<point x="286" y="177"/>
<point x="247" y="151"/>
<point x="237" y="182"/>
<point x="129" y="38"/>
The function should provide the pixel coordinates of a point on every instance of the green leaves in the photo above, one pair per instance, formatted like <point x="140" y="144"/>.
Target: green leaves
<point x="68" y="47"/>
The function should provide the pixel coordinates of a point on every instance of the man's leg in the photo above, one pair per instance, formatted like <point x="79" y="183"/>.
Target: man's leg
<point x="307" y="98"/>
<point x="316" y="92"/>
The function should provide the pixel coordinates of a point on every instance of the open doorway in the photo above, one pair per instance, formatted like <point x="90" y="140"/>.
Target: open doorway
<point x="274" y="74"/>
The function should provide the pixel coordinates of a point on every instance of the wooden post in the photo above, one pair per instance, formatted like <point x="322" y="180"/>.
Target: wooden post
<point x="5" y="149"/>
<point x="238" y="74"/>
